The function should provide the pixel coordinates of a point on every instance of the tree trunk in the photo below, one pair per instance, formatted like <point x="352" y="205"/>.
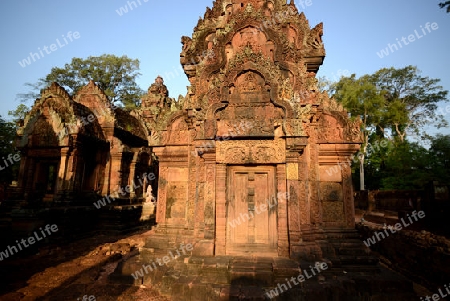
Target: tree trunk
<point x="361" y="165"/>
<point x="361" y="173"/>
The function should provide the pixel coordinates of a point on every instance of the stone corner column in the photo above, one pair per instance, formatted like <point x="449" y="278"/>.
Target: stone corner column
<point x="221" y="219"/>
<point x="209" y="209"/>
<point x="283" y="227"/>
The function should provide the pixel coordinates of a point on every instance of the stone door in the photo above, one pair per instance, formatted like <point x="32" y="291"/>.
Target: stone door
<point x="251" y="214"/>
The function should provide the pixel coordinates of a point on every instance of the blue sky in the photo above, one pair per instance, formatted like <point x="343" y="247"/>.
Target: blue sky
<point x="354" y="31"/>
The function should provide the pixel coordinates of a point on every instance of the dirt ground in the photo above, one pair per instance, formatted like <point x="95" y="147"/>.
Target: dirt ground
<point x="76" y="270"/>
<point x="81" y="269"/>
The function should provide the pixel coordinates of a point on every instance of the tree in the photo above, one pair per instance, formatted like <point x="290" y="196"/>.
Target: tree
<point x="408" y="166"/>
<point x="7" y="136"/>
<point x="440" y="158"/>
<point x="362" y="99"/>
<point x="411" y="101"/>
<point x="324" y="84"/>
<point x="114" y="75"/>
<point x="19" y="113"/>
<point x="391" y="102"/>
<point x="445" y="4"/>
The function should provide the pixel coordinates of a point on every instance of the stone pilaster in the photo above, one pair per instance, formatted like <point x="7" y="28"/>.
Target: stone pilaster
<point x="210" y="194"/>
<point x="29" y="173"/>
<point x="131" y="181"/>
<point x="162" y="193"/>
<point x="221" y="219"/>
<point x="293" y="187"/>
<point x="115" y="175"/>
<point x="283" y="236"/>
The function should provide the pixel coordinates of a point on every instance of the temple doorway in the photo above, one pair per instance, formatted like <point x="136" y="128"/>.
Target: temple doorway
<point x="45" y="179"/>
<point x="251" y="221"/>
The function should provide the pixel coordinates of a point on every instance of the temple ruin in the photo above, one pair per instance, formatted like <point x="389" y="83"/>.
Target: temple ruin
<point x="243" y="165"/>
<point x="252" y="130"/>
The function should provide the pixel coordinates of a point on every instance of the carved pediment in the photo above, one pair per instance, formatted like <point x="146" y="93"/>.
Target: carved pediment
<point x="43" y="134"/>
<point x="337" y="127"/>
<point x="245" y="128"/>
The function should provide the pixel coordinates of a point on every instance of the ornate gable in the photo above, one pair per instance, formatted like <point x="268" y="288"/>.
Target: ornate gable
<point x="48" y="117"/>
<point x="93" y="98"/>
<point x="251" y="60"/>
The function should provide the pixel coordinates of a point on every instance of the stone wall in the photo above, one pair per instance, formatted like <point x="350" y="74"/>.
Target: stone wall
<point x="393" y="200"/>
<point x="420" y="256"/>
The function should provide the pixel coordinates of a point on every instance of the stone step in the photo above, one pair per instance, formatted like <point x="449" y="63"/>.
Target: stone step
<point x="344" y="260"/>
<point x="356" y="249"/>
<point x="229" y="278"/>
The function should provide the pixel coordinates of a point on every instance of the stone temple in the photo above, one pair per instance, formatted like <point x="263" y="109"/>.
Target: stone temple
<point x="242" y="165"/>
<point x="253" y="128"/>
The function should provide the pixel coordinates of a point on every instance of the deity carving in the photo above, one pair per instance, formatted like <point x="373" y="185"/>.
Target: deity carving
<point x="149" y="197"/>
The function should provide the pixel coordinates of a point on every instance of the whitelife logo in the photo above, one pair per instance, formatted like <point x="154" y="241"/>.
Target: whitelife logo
<point x="282" y="287"/>
<point x="411" y="38"/>
<point x="380" y="235"/>
<point x="244" y="217"/>
<point x="11" y="250"/>
<point x="165" y="260"/>
<point x="124" y="9"/>
<point x="49" y="49"/>
<point x="436" y="297"/>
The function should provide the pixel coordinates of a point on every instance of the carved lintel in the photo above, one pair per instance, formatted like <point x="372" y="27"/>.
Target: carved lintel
<point x="251" y="151"/>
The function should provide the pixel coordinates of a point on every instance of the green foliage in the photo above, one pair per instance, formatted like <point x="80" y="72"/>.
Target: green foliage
<point x="375" y="162"/>
<point x="7" y="135"/>
<point x="411" y="100"/>
<point x="362" y="99"/>
<point x="407" y="166"/>
<point x="392" y="101"/>
<point x="19" y="113"/>
<point x="116" y="76"/>
<point x="324" y="84"/>
<point x="440" y="155"/>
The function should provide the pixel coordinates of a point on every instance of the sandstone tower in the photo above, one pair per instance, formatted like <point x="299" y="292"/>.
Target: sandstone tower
<point x="253" y="130"/>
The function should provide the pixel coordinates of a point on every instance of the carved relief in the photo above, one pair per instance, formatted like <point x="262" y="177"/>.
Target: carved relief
<point x="295" y="128"/>
<point x="333" y="212"/>
<point x="263" y="63"/>
<point x="316" y="210"/>
<point x="331" y="191"/>
<point x="315" y="37"/>
<point x="263" y="153"/>
<point x="245" y="128"/>
<point x="286" y="92"/>
<point x="236" y="154"/>
<point x="249" y="37"/>
<point x="179" y="132"/>
<point x="330" y="129"/>
<point x="43" y="134"/>
<point x="353" y="131"/>
<point x="251" y="151"/>
<point x="249" y="82"/>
